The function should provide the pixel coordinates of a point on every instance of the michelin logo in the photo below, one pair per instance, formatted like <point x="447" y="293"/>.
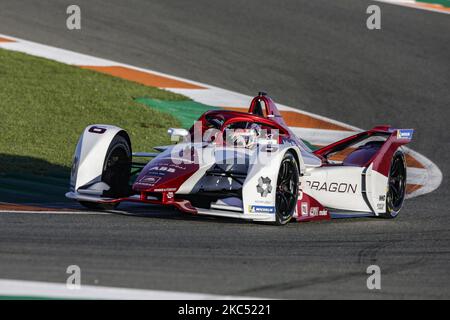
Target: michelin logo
<point x="262" y="209"/>
<point x="405" y="134"/>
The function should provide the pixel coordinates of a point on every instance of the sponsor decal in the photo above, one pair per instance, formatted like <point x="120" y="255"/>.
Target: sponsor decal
<point x="261" y="209"/>
<point x="166" y="190"/>
<point x="405" y="133"/>
<point x="305" y="209"/>
<point x="382" y="198"/>
<point x="163" y="168"/>
<point x="97" y="130"/>
<point x="314" y="211"/>
<point x="264" y="186"/>
<point x="149" y="180"/>
<point x="380" y="206"/>
<point x="332" y="187"/>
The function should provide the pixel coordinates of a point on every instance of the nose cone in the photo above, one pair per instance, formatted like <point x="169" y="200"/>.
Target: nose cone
<point x="163" y="175"/>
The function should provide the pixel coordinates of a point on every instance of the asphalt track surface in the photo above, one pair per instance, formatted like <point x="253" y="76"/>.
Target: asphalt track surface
<point x="317" y="55"/>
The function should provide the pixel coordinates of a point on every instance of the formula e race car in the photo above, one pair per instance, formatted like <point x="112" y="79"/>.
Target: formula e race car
<point x="245" y="165"/>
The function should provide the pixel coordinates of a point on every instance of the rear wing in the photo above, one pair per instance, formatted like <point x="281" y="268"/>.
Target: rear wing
<point x="380" y="156"/>
<point x="383" y="158"/>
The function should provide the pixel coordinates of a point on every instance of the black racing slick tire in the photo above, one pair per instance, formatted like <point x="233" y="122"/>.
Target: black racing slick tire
<point x="116" y="173"/>
<point x="396" y="193"/>
<point x="287" y="190"/>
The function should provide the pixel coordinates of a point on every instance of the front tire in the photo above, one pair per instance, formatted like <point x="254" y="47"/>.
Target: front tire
<point x="287" y="190"/>
<point x="396" y="186"/>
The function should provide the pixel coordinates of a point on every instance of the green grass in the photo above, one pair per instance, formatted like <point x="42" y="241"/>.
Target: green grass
<point x="45" y="105"/>
<point x="186" y="112"/>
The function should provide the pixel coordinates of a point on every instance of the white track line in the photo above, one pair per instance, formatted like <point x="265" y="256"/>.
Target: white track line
<point x="16" y="288"/>
<point x="434" y="174"/>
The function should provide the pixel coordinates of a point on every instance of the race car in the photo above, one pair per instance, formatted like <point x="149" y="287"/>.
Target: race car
<point x="247" y="165"/>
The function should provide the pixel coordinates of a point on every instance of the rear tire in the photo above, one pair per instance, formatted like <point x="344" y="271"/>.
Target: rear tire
<point x="396" y="186"/>
<point x="116" y="173"/>
<point x="287" y="190"/>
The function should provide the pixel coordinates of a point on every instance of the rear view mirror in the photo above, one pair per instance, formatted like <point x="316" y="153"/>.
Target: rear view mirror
<point x="177" y="134"/>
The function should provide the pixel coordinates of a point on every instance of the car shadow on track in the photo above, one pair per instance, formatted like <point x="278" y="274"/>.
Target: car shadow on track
<point x="32" y="181"/>
<point x="26" y="179"/>
<point x="169" y="213"/>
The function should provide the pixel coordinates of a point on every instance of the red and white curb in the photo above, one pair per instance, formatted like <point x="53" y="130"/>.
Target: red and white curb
<point x="17" y="289"/>
<point x="435" y="7"/>
<point x="423" y="175"/>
